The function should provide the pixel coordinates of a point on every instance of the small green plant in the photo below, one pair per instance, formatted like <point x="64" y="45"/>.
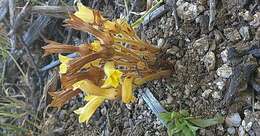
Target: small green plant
<point x="182" y="124"/>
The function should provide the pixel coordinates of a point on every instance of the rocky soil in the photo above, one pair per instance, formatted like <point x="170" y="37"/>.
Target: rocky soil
<point x="215" y="53"/>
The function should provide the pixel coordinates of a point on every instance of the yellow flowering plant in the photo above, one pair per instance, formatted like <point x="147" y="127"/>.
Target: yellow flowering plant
<point x="109" y="68"/>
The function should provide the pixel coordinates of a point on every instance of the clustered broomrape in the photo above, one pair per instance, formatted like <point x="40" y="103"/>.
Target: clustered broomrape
<point x="109" y="68"/>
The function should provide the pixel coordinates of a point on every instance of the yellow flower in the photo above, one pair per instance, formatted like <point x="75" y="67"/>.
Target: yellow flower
<point x="96" y="46"/>
<point x="64" y="63"/>
<point x="94" y="63"/>
<point x="88" y="15"/>
<point x="125" y="27"/>
<point x="127" y="89"/>
<point x="89" y="109"/>
<point x="91" y="89"/>
<point x="84" y="13"/>
<point x="110" y="26"/>
<point x="113" y="76"/>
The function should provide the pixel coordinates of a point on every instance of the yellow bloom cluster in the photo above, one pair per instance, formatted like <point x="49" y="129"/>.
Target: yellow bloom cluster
<point x="109" y="68"/>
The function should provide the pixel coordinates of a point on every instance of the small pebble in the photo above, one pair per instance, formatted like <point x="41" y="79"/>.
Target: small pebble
<point x="244" y="31"/>
<point x="257" y="105"/>
<point x="209" y="61"/>
<point x="233" y="120"/>
<point x="220" y="83"/>
<point x="188" y="11"/>
<point x="160" y="43"/>
<point x="224" y="71"/>
<point x="231" y="130"/>
<point x="216" y="95"/>
<point x="173" y="50"/>
<point x="241" y="131"/>
<point x="206" y="93"/>
<point x="201" y="45"/>
<point x="224" y="56"/>
<point x="232" y="34"/>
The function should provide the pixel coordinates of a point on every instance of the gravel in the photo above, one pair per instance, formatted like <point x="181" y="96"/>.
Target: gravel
<point x="233" y="120"/>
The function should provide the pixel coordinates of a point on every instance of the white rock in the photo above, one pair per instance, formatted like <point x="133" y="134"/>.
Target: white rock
<point x="231" y="130"/>
<point x="256" y="21"/>
<point x="224" y="56"/>
<point x="244" y="31"/>
<point x="188" y="11"/>
<point x="246" y="15"/>
<point x="220" y="83"/>
<point x="206" y="93"/>
<point x="257" y="105"/>
<point x="209" y="61"/>
<point x="224" y="71"/>
<point x="247" y="126"/>
<point x="201" y="45"/>
<point x="216" y="95"/>
<point x="160" y="42"/>
<point x="232" y="34"/>
<point x="241" y="131"/>
<point x="233" y="120"/>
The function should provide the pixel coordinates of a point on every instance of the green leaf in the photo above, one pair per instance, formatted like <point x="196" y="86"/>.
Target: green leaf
<point x="192" y="127"/>
<point x="166" y="116"/>
<point x="186" y="131"/>
<point x="207" y="122"/>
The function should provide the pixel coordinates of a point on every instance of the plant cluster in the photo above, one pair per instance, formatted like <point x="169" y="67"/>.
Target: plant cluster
<point x="182" y="124"/>
<point x="109" y="68"/>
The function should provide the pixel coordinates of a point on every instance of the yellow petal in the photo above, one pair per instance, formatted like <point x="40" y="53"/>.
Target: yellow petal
<point x="89" y="97"/>
<point x="110" y="26"/>
<point x="64" y="61"/>
<point x="125" y="27"/>
<point x="94" y="63"/>
<point x="113" y="76"/>
<point x="89" y="109"/>
<point x="91" y="89"/>
<point x="109" y="68"/>
<point x="95" y="46"/>
<point x="85" y="13"/>
<point x="127" y="89"/>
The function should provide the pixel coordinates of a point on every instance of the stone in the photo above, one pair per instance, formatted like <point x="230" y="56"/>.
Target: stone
<point x="160" y="43"/>
<point x="231" y="130"/>
<point x="201" y="45"/>
<point x="169" y="99"/>
<point x="173" y="50"/>
<point x="257" y="34"/>
<point x="241" y="131"/>
<point x="209" y="60"/>
<point x="188" y="11"/>
<point x="244" y="32"/>
<point x="216" y="95"/>
<point x="224" y="56"/>
<point x="246" y="15"/>
<point x="206" y="93"/>
<point x="224" y="71"/>
<point x="220" y="83"/>
<point x="256" y="21"/>
<point x="233" y="120"/>
<point x="247" y="126"/>
<point x="257" y="105"/>
<point x="232" y="34"/>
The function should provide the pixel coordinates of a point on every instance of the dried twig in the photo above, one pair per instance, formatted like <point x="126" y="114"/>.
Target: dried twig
<point x="155" y="14"/>
<point x="56" y="11"/>
<point x="32" y="60"/>
<point x="3" y="8"/>
<point x="12" y="20"/>
<point x="174" y="13"/>
<point x="212" y="13"/>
